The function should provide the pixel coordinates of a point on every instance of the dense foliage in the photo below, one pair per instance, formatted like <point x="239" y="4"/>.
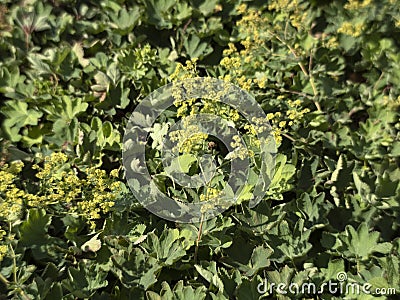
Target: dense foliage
<point x="326" y="73"/>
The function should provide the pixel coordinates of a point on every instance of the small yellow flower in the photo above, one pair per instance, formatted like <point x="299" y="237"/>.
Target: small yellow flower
<point x="231" y="49"/>
<point x="234" y="115"/>
<point x="218" y="8"/>
<point x="241" y="9"/>
<point x="246" y="43"/>
<point x="114" y="173"/>
<point x="3" y="251"/>
<point x="248" y="59"/>
<point x="261" y="82"/>
<point x="250" y="128"/>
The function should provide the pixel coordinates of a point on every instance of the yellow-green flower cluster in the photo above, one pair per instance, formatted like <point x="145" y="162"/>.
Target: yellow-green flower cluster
<point x="181" y="73"/>
<point x="240" y="150"/>
<point x="244" y="83"/>
<point x="3" y="248"/>
<point x="11" y="196"/>
<point x="254" y="30"/>
<point x="189" y="140"/>
<point x="88" y="195"/>
<point x="351" y="29"/>
<point x="183" y="105"/>
<point x="356" y="4"/>
<point x="331" y="43"/>
<point x="291" y="10"/>
<point x="220" y="109"/>
<point x="211" y="193"/>
<point x="295" y="113"/>
<point x="50" y="162"/>
<point x="99" y="192"/>
<point x="279" y="122"/>
<point x="258" y="126"/>
<point x="250" y="25"/>
<point x="231" y="62"/>
<point x="245" y="67"/>
<point x="231" y="49"/>
<point x="261" y="82"/>
<point x="234" y="61"/>
<point x="184" y="72"/>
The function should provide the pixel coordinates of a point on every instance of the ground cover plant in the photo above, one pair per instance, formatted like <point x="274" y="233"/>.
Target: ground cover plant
<point x="327" y="75"/>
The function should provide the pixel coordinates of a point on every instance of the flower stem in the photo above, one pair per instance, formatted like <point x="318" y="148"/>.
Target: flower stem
<point x="198" y="237"/>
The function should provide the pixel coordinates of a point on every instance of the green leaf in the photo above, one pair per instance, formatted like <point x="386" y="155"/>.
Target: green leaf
<point x="283" y="275"/>
<point x="39" y="64"/>
<point x="195" y="48"/>
<point x="378" y="283"/>
<point x="313" y="209"/>
<point x="135" y="268"/>
<point x="362" y="243"/>
<point x="55" y="292"/>
<point x="283" y="172"/>
<point x="295" y="243"/>
<point x="158" y="12"/>
<point x="180" y="292"/>
<point x="125" y="20"/>
<point x="83" y="281"/>
<point x="17" y="116"/>
<point x="113" y="73"/>
<point x="34" y="229"/>
<point x="207" y="7"/>
<point x="169" y="247"/>
<point x="182" y="163"/>
<point x="363" y="189"/>
<point x="258" y="260"/>
<point x="342" y="175"/>
<point x="209" y="272"/>
<point x="334" y="267"/>
<point x="34" y="235"/>
<point x="216" y="233"/>
<point x="247" y="290"/>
